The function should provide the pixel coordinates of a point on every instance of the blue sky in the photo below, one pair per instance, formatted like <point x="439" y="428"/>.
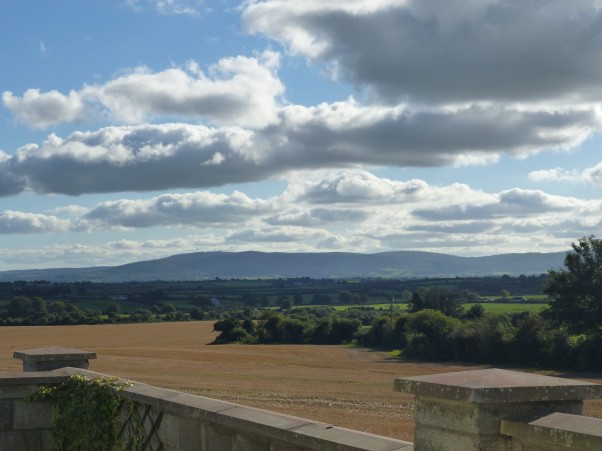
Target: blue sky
<point x="137" y="129"/>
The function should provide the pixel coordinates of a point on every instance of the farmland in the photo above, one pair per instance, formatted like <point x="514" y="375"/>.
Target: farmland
<point x="93" y="300"/>
<point x="346" y="386"/>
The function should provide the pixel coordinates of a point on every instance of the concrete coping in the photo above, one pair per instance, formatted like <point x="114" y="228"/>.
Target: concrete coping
<point x="495" y="385"/>
<point x="38" y="378"/>
<point x="51" y="358"/>
<point x="295" y="431"/>
<point x="558" y="430"/>
<point x="53" y="354"/>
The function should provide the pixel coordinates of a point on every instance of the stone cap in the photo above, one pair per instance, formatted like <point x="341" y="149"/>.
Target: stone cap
<point x="53" y="354"/>
<point x="497" y="386"/>
<point x="558" y="430"/>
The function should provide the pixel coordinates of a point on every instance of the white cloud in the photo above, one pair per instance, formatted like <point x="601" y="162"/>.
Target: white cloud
<point x="137" y="158"/>
<point x="194" y="209"/>
<point x="340" y="135"/>
<point x="16" y="222"/>
<point x="240" y="90"/>
<point x="69" y="210"/>
<point x="237" y="91"/>
<point x="591" y="175"/>
<point x="356" y="187"/>
<point x="317" y="217"/>
<point x="509" y="204"/>
<point x="312" y="214"/>
<point x="40" y="110"/>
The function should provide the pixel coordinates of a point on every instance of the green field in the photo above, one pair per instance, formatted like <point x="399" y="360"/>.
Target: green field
<point x="500" y="308"/>
<point x="493" y="307"/>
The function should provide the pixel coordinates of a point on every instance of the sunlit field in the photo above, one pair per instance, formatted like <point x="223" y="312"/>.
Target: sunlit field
<point x="349" y="387"/>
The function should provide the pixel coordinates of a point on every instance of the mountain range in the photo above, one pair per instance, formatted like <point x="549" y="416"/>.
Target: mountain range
<point x="228" y="265"/>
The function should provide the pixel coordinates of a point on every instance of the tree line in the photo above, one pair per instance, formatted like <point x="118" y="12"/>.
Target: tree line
<point x="567" y="335"/>
<point x="35" y="311"/>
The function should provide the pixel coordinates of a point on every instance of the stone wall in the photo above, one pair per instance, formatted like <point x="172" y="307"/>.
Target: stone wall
<point x="25" y="425"/>
<point x="173" y="420"/>
<point x="501" y="410"/>
<point x="488" y="409"/>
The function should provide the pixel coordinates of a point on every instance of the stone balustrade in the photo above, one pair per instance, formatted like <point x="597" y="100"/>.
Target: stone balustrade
<point x="173" y="420"/>
<point x="465" y="410"/>
<point x="471" y="410"/>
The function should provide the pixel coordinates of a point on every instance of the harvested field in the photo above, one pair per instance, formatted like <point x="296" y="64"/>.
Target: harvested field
<point x="344" y="386"/>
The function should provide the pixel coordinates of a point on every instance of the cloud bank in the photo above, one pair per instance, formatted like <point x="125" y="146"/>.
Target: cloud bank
<point x="446" y="51"/>
<point x="165" y="156"/>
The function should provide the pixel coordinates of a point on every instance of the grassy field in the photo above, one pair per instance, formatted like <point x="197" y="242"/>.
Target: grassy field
<point x="340" y="385"/>
<point x="493" y="307"/>
<point x="502" y="308"/>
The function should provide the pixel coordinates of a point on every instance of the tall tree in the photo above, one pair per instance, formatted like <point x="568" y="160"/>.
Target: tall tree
<point x="576" y="291"/>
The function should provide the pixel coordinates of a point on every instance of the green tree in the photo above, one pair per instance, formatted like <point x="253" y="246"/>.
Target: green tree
<point x="113" y="307"/>
<point x="575" y="291"/>
<point x="20" y="307"/>
<point x="448" y="302"/>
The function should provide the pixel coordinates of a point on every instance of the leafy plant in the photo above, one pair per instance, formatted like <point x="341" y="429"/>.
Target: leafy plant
<point x="86" y="413"/>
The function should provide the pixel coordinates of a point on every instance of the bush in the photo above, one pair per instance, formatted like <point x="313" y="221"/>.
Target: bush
<point x="482" y="340"/>
<point x="428" y="332"/>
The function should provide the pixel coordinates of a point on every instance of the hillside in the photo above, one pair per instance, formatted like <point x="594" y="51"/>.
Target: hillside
<point x="209" y="265"/>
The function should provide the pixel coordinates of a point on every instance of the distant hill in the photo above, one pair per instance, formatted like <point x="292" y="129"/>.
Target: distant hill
<point x="227" y="265"/>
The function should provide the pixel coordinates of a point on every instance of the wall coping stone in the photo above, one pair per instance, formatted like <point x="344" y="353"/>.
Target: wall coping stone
<point x="53" y="353"/>
<point x="495" y="385"/>
<point x="558" y="430"/>
<point x="41" y="377"/>
<point x="289" y="429"/>
<point x="53" y="357"/>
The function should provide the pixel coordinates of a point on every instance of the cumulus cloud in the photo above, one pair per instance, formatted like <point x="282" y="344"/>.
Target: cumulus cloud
<point x="237" y="91"/>
<point x="356" y="187"/>
<point x="446" y="51"/>
<point x="591" y="175"/>
<point x="346" y="134"/>
<point x="40" y="110"/>
<point x="340" y="135"/>
<point x="512" y="203"/>
<point x="313" y="215"/>
<point x="197" y="209"/>
<point x="16" y="222"/>
<point x="240" y="90"/>
<point x="317" y="217"/>
<point x="365" y="189"/>
<point x="137" y="158"/>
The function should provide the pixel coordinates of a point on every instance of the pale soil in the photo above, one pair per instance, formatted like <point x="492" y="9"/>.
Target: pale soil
<point x="344" y="386"/>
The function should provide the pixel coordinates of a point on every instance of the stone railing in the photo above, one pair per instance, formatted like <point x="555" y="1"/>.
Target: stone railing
<point x="471" y="410"/>
<point x="171" y="420"/>
<point x="497" y="410"/>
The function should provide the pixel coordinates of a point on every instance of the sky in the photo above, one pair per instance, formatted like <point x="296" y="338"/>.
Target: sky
<point x="138" y="129"/>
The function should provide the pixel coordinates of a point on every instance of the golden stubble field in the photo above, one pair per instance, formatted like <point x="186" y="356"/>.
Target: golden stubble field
<point x="340" y="385"/>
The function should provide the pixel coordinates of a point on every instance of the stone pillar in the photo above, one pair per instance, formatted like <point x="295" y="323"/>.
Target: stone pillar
<point x="463" y="410"/>
<point x="53" y="357"/>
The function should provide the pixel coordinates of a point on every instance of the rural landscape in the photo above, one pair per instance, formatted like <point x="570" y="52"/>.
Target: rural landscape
<point x="289" y="204"/>
<point x="327" y="349"/>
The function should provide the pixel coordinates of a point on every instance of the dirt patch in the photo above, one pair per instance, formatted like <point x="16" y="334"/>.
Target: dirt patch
<point x="344" y="386"/>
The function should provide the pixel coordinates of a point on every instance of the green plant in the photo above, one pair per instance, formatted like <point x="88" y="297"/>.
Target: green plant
<point x="86" y="413"/>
